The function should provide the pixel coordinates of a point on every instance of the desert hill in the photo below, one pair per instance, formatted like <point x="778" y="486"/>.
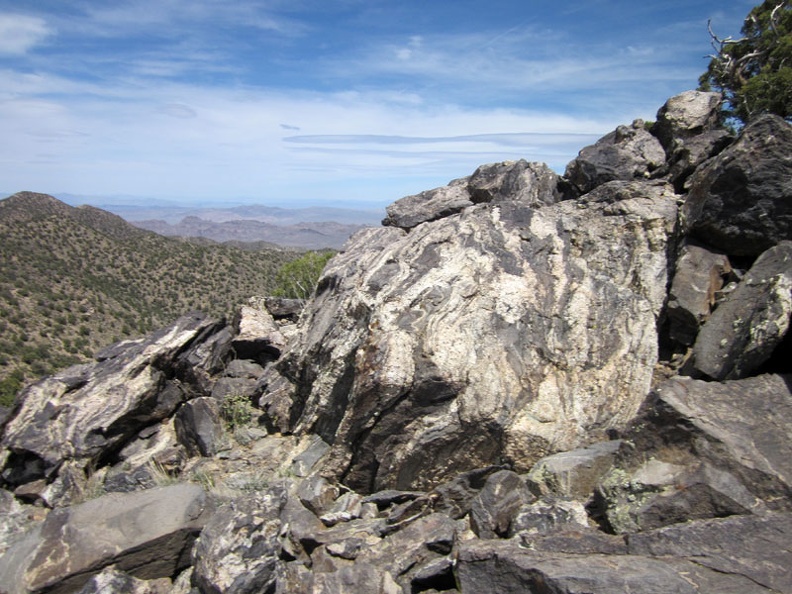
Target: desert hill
<point x="74" y="279"/>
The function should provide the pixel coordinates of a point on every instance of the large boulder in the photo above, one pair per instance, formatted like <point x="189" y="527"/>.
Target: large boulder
<point x="627" y="153"/>
<point x="86" y="412"/>
<point x="685" y="116"/>
<point x="740" y="202"/>
<point x="502" y="332"/>
<point x="147" y="534"/>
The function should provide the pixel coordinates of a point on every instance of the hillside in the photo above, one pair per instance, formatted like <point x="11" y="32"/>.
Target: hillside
<point x="73" y="280"/>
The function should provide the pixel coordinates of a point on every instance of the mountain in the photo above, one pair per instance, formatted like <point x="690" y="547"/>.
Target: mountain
<point x="520" y="382"/>
<point x="73" y="280"/>
<point x="315" y="236"/>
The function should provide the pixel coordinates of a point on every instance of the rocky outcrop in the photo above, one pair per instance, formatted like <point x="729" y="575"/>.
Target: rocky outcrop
<point x="462" y="337"/>
<point x="520" y="383"/>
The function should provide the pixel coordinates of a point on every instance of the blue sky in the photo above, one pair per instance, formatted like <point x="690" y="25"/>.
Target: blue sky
<point x="336" y="101"/>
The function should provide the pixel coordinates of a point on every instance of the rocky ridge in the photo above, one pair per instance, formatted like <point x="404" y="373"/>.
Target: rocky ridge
<point x="520" y="382"/>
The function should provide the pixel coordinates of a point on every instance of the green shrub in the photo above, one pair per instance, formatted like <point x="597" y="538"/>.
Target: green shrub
<point x="297" y="279"/>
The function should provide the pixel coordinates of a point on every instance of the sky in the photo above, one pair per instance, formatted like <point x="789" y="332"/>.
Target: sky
<point x="339" y="102"/>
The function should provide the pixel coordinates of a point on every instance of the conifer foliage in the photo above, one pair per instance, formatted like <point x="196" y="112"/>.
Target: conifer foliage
<point x="754" y="72"/>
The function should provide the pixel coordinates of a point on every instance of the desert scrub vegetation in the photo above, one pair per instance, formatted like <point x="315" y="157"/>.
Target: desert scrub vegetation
<point x="74" y="280"/>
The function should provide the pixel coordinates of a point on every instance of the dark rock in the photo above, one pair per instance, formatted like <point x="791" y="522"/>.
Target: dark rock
<point x="243" y="369"/>
<point x="147" y="534"/>
<point x="573" y="540"/>
<point x="574" y="474"/>
<point x="660" y="493"/>
<point x="86" y="421"/>
<point x="427" y="206"/>
<point x="281" y="308"/>
<point x="741" y="427"/>
<point x="503" y="566"/>
<point x="689" y="154"/>
<point x="699" y="276"/>
<point x="534" y="184"/>
<point x="317" y="494"/>
<point x="750" y="546"/>
<point x="496" y="505"/>
<point x="304" y="462"/>
<point x="627" y="153"/>
<point x="751" y="322"/>
<point x="228" y="387"/>
<point x="239" y="548"/>
<point x="741" y="201"/>
<point x="455" y="497"/>
<point x="199" y="427"/>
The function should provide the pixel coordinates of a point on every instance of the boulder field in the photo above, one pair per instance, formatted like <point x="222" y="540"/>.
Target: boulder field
<point x="520" y="382"/>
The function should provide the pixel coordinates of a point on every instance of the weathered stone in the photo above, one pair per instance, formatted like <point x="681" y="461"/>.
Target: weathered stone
<point x="660" y="493"/>
<point x="84" y="412"/>
<point x="147" y="534"/>
<point x="455" y="497"/>
<point x="686" y="115"/>
<point x="389" y="497"/>
<point x="356" y="579"/>
<point x="572" y="474"/>
<point x="281" y="308"/>
<point x="699" y="276"/>
<point x="239" y="549"/>
<point x="741" y="201"/>
<point x="228" y="387"/>
<point x="689" y="154"/>
<point x="111" y="581"/>
<point x="503" y="566"/>
<point x="627" y="153"/>
<point x="243" y="369"/>
<point x="258" y="337"/>
<point x="404" y="552"/>
<point x="573" y="540"/>
<point x="430" y="205"/>
<point x="751" y="322"/>
<point x="741" y="427"/>
<point x="496" y="505"/>
<point x="545" y="517"/>
<point x="304" y="462"/>
<point x="199" y="427"/>
<point x="519" y="292"/>
<point x="533" y="184"/>
<point x="347" y="507"/>
<point x="317" y="494"/>
<point x="750" y="546"/>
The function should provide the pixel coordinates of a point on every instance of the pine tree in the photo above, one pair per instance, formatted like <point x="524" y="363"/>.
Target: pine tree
<point x="754" y="73"/>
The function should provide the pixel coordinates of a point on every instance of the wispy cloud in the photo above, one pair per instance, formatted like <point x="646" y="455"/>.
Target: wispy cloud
<point x="19" y="33"/>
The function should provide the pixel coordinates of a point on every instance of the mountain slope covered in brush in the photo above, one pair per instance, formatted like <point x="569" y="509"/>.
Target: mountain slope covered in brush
<point x="73" y="280"/>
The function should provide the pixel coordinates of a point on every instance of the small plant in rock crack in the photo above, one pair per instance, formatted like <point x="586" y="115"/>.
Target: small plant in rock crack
<point x="236" y="411"/>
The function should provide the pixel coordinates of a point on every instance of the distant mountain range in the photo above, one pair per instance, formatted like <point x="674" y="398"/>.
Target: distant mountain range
<point x="302" y="228"/>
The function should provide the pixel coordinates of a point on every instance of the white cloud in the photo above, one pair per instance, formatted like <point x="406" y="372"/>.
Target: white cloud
<point x="20" y="33"/>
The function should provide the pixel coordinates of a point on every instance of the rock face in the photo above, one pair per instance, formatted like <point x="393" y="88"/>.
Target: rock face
<point x="461" y="337"/>
<point x="520" y="383"/>
<point x="741" y="202"/>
